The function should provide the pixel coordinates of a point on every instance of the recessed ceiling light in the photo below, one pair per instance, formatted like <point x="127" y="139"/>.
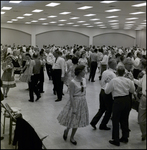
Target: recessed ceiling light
<point x="2" y="12"/>
<point x="80" y="21"/>
<point x="62" y="20"/>
<point x="14" y="19"/>
<point x="42" y="19"/>
<point x="9" y="21"/>
<point x="65" y="13"/>
<point x="112" y="10"/>
<point x="34" y="21"/>
<point x="136" y="13"/>
<point x="131" y="18"/>
<point x="85" y="7"/>
<point x="112" y="17"/>
<point x="107" y="2"/>
<point x="27" y="14"/>
<point x="37" y="10"/>
<point x="70" y="23"/>
<point x="14" y="1"/>
<point x="139" y="5"/>
<point x="6" y="8"/>
<point x="44" y="23"/>
<point x="75" y="18"/>
<point x="27" y="22"/>
<point x="130" y="22"/>
<point x="75" y="25"/>
<point x="112" y="20"/>
<point x="86" y="24"/>
<point x="94" y="19"/>
<point x="90" y="15"/>
<point x="20" y="17"/>
<point x="113" y="23"/>
<point x="53" y="22"/>
<point x="98" y="22"/>
<point x="52" y="16"/>
<point x="53" y="4"/>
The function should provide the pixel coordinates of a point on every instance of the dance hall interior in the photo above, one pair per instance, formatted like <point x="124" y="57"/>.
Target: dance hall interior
<point x="73" y="74"/>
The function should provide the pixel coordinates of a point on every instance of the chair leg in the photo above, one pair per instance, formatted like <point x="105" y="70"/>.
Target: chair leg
<point x="4" y="124"/>
<point x="10" y="131"/>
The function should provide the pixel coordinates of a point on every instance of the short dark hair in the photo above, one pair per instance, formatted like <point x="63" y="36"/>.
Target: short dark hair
<point x="120" y="70"/>
<point x="79" y="69"/>
<point x="112" y="63"/>
<point x="75" y="60"/>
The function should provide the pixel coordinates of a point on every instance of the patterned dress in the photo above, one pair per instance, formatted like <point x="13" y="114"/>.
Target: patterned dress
<point x="81" y="119"/>
<point x="8" y="75"/>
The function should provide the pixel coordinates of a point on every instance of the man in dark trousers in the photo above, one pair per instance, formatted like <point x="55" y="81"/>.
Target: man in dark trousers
<point x="33" y="84"/>
<point x="106" y="100"/>
<point x="120" y="87"/>
<point x="58" y="74"/>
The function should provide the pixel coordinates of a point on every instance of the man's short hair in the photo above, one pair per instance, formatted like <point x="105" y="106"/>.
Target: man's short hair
<point x="120" y="70"/>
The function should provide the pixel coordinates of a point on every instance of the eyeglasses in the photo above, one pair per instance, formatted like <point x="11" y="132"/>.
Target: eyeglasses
<point x="82" y="88"/>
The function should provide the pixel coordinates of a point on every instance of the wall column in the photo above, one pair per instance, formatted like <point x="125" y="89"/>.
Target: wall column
<point x="33" y="40"/>
<point x="90" y="40"/>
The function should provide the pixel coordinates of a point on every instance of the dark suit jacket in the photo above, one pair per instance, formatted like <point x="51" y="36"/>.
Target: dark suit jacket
<point x="26" y="136"/>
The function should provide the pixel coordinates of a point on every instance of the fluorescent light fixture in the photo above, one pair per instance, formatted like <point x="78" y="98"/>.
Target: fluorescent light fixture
<point x="136" y="13"/>
<point x="86" y="24"/>
<point x="65" y="13"/>
<point x="94" y="19"/>
<point x="131" y="18"/>
<point x="113" y="21"/>
<point x="44" y="23"/>
<point x="85" y="7"/>
<point x="27" y="22"/>
<point x="112" y="17"/>
<point x="14" y="1"/>
<point x="27" y="14"/>
<point x="62" y="20"/>
<point x="89" y="26"/>
<point x="53" y="22"/>
<point x="90" y="15"/>
<point x="42" y="19"/>
<point x="20" y="17"/>
<point x="143" y="23"/>
<point x="52" y="16"/>
<point x="70" y="23"/>
<point x="130" y="22"/>
<point x="112" y="10"/>
<point x="100" y="25"/>
<point x="9" y="21"/>
<point x="6" y="8"/>
<point x="80" y="21"/>
<point x="75" y="25"/>
<point x="2" y="12"/>
<point x="52" y="4"/>
<point x="37" y="10"/>
<point x="98" y="22"/>
<point x="60" y="24"/>
<point x="107" y="2"/>
<point x="139" y="5"/>
<point x="34" y="21"/>
<point x="14" y="19"/>
<point x="75" y="18"/>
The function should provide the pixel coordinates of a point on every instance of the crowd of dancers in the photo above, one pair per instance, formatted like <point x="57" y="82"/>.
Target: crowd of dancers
<point x="122" y="78"/>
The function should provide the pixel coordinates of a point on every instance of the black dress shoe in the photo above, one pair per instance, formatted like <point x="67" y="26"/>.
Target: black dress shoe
<point x="93" y="81"/>
<point x="143" y="139"/>
<point x="93" y="126"/>
<point x="38" y="97"/>
<point x="30" y="100"/>
<point x="114" y="143"/>
<point x="57" y="100"/>
<point x="123" y="140"/>
<point x="73" y="142"/>
<point x="64" y="135"/>
<point x="104" y="128"/>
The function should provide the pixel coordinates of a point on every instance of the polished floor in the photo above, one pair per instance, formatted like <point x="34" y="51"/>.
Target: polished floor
<point x="42" y="115"/>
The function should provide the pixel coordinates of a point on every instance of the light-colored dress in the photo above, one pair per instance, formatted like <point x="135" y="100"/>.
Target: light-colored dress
<point x="81" y="118"/>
